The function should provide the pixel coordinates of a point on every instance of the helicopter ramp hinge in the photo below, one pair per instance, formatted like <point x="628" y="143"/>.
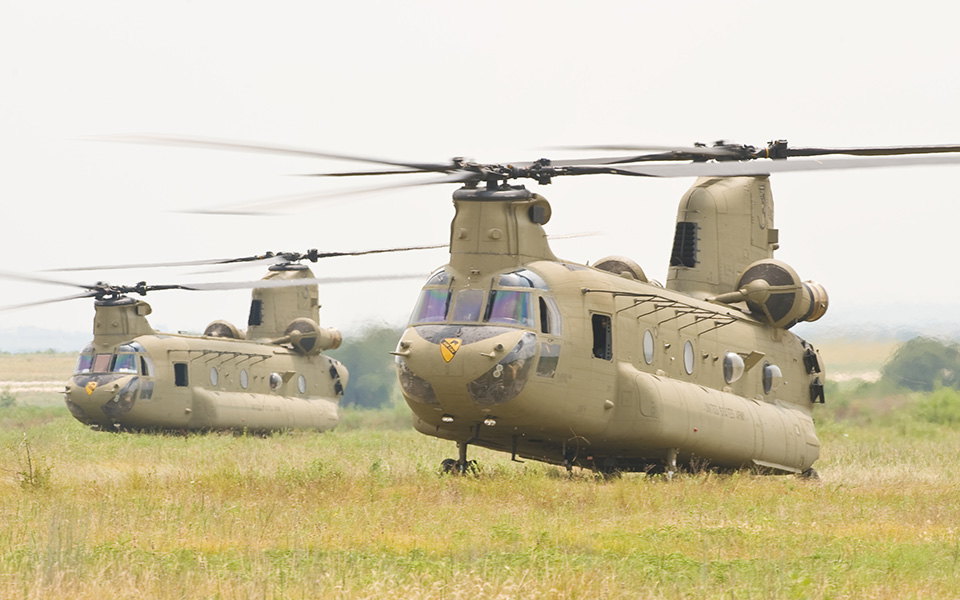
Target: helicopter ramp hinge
<point x="810" y="360"/>
<point x="816" y="391"/>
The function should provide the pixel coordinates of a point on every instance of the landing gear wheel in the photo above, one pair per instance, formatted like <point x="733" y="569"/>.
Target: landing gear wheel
<point x="810" y="474"/>
<point x="450" y="466"/>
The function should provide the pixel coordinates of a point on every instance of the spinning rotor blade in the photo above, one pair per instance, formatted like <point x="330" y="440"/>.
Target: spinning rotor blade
<point x="276" y="283"/>
<point x="269" y="257"/>
<point x="875" y="151"/>
<point x="240" y="146"/>
<point x="267" y="206"/>
<point x="734" y="169"/>
<point x="48" y="301"/>
<point x="103" y="290"/>
<point x="35" y="279"/>
<point x="722" y="159"/>
<point x="776" y="150"/>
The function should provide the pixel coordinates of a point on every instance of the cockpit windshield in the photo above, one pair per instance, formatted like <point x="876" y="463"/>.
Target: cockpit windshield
<point x="507" y="306"/>
<point x="124" y="363"/>
<point x="85" y="361"/>
<point x="129" y="358"/>
<point x="468" y="306"/>
<point x="432" y="306"/>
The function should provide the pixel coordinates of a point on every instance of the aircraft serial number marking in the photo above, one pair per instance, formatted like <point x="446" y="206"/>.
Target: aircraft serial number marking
<point x="723" y="411"/>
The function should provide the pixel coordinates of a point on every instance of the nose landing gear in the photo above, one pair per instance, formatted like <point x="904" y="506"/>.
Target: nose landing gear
<point x="461" y="465"/>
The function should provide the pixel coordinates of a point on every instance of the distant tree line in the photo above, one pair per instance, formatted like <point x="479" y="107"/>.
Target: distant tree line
<point x="924" y="364"/>
<point x="373" y="376"/>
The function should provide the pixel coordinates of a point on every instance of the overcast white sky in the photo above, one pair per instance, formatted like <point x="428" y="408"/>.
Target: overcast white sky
<point x="427" y="80"/>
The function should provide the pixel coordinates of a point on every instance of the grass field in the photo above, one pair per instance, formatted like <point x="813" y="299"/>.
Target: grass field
<point x="361" y="512"/>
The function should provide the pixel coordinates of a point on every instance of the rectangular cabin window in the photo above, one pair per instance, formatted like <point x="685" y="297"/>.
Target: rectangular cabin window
<point x="602" y="337"/>
<point x="180" y="378"/>
<point x="685" y="245"/>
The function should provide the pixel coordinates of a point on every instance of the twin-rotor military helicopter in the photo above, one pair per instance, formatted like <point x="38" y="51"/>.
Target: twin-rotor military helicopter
<point x="511" y="348"/>
<point x="272" y="376"/>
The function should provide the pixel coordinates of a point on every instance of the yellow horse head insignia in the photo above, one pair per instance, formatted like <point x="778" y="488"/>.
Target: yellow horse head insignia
<point x="449" y="347"/>
<point x="92" y="385"/>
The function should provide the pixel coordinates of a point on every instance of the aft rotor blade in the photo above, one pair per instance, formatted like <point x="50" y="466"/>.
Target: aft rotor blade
<point x="658" y="153"/>
<point x="242" y="146"/>
<point x="874" y="151"/>
<point x="766" y="167"/>
<point x="379" y="251"/>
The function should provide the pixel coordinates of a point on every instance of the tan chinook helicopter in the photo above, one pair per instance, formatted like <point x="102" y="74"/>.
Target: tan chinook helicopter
<point x="514" y="349"/>
<point x="273" y="376"/>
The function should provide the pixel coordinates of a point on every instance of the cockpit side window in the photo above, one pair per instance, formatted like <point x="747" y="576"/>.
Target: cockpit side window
<point x="432" y="306"/>
<point x="512" y="307"/>
<point x="440" y="277"/>
<point x="467" y="306"/>
<point x="549" y="316"/>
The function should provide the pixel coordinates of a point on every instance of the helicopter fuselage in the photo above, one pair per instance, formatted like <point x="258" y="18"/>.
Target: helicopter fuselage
<point x="625" y="373"/>
<point x="178" y="382"/>
<point x="512" y="349"/>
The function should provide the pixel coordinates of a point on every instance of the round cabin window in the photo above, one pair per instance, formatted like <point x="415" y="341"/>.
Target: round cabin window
<point x="244" y="379"/>
<point x="688" y="357"/>
<point x="648" y="347"/>
<point x="771" y="378"/>
<point x="732" y="367"/>
<point x="275" y="380"/>
<point x="214" y="376"/>
<point x="302" y="384"/>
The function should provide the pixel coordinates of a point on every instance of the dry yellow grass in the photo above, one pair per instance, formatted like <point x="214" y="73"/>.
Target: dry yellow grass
<point x="364" y="514"/>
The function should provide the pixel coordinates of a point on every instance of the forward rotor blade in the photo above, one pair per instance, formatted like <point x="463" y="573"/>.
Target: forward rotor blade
<point x="91" y="294"/>
<point x="277" y="283"/>
<point x="36" y="279"/>
<point x="241" y="146"/>
<point x="268" y="206"/>
<point x="182" y="263"/>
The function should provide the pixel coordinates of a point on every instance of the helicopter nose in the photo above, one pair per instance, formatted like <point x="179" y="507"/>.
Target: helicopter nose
<point x="92" y="398"/>
<point x="476" y="366"/>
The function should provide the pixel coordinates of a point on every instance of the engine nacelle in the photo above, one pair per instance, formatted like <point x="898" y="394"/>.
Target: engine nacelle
<point x="773" y="292"/>
<point x="223" y="329"/>
<point x="621" y="265"/>
<point x="306" y="337"/>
